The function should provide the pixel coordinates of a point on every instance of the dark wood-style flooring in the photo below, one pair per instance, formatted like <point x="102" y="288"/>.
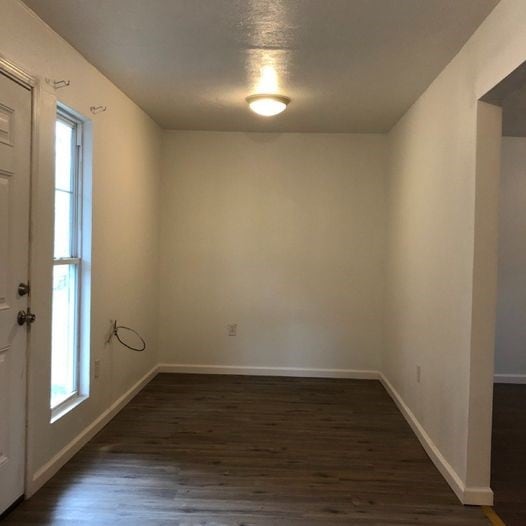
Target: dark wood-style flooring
<point x="508" y="462"/>
<point x="233" y="450"/>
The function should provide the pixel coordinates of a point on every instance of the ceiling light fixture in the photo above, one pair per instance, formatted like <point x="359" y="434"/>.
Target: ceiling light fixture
<point x="267" y="105"/>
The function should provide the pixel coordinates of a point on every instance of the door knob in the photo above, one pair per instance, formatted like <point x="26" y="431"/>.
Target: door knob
<point x="25" y="318"/>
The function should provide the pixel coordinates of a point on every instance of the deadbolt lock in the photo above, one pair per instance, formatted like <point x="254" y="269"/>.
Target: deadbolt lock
<point x="23" y="289"/>
<point x="25" y="317"/>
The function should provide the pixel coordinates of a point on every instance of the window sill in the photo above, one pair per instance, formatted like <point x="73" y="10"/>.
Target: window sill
<point x="65" y="407"/>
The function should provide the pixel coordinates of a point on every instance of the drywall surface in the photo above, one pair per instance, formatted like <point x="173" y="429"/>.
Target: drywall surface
<point x="431" y="253"/>
<point x="125" y="198"/>
<point x="281" y="234"/>
<point x="510" y="346"/>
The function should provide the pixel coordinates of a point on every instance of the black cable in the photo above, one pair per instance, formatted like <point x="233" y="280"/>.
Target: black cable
<point x="116" y="329"/>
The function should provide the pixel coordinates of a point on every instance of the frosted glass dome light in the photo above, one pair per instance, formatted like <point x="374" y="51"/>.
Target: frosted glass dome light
<point x="267" y="105"/>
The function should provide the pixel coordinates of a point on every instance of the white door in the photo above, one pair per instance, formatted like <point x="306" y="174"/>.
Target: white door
<point x="15" y="142"/>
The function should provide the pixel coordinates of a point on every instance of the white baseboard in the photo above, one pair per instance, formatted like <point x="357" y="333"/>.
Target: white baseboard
<point x="268" y="371"/>
<point x="480" y="496"/>
<point x="509" y="378"/>
<point x="52" y="466"/>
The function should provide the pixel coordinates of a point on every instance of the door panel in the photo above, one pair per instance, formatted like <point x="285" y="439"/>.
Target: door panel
<point x="15" y="141"/>
<point x="4" y="237"/>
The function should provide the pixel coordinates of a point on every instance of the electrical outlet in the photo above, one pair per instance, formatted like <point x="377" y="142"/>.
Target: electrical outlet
<point x="96" y="369"/>
<point x="418" y="373"/>
<point x="232" y="329"/>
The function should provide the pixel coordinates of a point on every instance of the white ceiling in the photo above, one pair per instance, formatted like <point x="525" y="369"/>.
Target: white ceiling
<point x="348" y="65"/>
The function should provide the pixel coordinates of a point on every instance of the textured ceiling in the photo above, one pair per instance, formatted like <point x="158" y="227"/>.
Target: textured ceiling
<point x="348" y="65"/>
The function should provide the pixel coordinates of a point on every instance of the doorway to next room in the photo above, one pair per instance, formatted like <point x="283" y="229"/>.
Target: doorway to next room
<point x="509" y="391"/>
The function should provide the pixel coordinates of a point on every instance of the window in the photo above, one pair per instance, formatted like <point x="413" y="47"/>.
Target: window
<point x="68" y="288"/>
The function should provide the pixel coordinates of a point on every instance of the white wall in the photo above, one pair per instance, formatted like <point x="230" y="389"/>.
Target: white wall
<point x="126" y="161"/>
<point x="510" y="347"/>
<point x="282" y="234"/>
<point x="433" y="300"/>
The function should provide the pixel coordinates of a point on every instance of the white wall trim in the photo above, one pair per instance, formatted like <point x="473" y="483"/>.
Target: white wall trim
<point x="52" y="466"/>
<point x="16" y="73"/>
<point x="509" y="378"/>
<point x="467" y="495"/>
<point x="358" y="374"/>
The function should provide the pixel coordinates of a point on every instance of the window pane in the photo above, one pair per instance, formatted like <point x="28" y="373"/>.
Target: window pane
<point x="63" y="216"/>
<point x="63" y="345"/>
<point x="63" y="150"/>
<point x="67" y="380"/>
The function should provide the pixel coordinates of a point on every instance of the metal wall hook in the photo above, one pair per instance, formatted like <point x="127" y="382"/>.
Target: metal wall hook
<point x="57" y="84"/>
<point x="97" y="109"/>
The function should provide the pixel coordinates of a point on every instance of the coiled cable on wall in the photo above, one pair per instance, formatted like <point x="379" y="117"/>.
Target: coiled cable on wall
<point x="115" y="332"/>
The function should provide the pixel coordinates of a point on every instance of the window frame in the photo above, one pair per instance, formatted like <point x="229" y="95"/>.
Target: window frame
<point x="76" y="257"/>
